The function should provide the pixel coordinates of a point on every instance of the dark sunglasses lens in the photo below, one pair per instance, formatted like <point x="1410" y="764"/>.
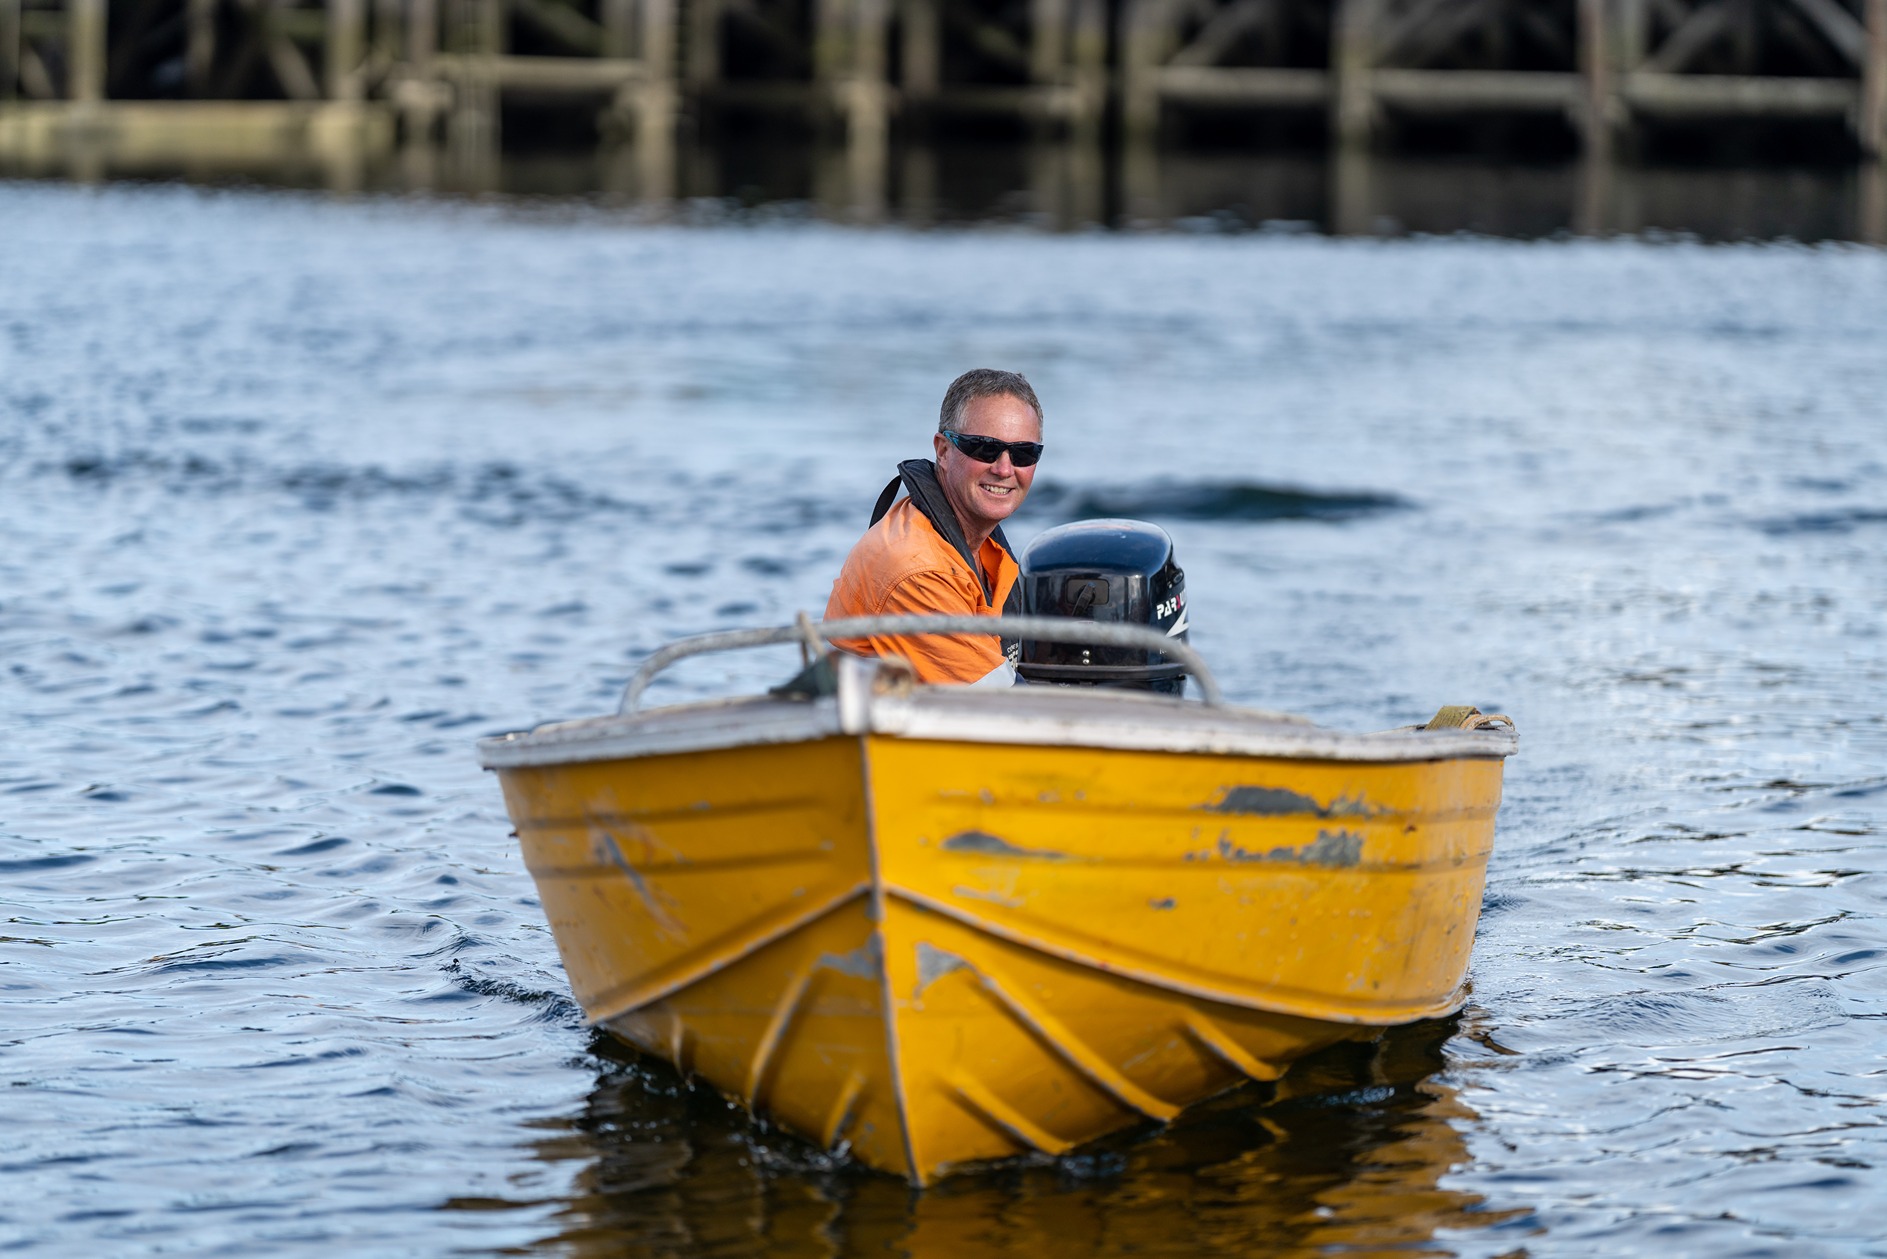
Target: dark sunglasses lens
<point x="989" y="450"/>
<point x="981" y="449"/>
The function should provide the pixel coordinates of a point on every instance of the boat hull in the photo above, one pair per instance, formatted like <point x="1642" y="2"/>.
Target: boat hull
<point x="933" y="951"/>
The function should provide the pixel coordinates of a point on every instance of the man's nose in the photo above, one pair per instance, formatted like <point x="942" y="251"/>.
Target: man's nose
<point x="1003" y="466"/>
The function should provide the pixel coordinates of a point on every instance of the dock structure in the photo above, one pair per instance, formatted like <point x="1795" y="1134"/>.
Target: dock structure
<point x="463" y="59"/>
<point x="862" y="62"/>
<point x="176" y="83"/>
<point x="156" y="80"/>
<point x="164" y="80"/>
<point x="1606" y="66"/>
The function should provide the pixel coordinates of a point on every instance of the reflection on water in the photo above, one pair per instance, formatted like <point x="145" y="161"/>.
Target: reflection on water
<point x="1350" y="1151"/>
<point x="1072" y="186"/>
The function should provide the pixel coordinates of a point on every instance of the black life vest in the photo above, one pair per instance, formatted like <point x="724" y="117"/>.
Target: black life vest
<point x="919" y="478"/>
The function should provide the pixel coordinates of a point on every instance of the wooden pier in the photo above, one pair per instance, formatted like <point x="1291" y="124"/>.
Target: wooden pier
<point x="129" y="82"/>
<point x="1607" y="66"/>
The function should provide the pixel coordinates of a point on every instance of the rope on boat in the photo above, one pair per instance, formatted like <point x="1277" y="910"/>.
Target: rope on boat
<point x="1467" y="717"/>
<point x="1048" y="629"/>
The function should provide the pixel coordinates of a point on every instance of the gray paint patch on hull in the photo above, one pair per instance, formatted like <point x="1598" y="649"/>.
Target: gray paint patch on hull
<point x="1330" y="848"/>
<point x="1266" y="802"/>
<point x="933" y="964"/>
<point x="1283" y="802"/>
<point x="1334" y="848"/>
<point x="994" y="846"/>
<point x="860" y="963"/>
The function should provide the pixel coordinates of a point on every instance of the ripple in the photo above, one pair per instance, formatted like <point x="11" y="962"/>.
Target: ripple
<point x="1845" y="521"/>
<point x="219" y="964"/>
<point x="315" y="846"/>
<point x="493" y="493"/>
<point x="28" y="865"/>
<point x="1215" y="501"/>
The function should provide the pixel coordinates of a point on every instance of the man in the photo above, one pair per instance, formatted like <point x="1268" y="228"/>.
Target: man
<point x="940" y="549"/>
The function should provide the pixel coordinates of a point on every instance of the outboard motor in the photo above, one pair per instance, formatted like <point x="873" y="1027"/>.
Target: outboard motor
<point x="1113" y="571"/>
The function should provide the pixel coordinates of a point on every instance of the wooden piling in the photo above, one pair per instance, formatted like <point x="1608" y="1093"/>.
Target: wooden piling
<point x="335" y="131"/>
<point x="1871" y="198"/>
<point x="422" y="34"/>
<point x="1087" y="59"/>
<point x="1592" y="208"/>
<point x="1872" y="130"/>
<point x="1353" y="29"/>
<point x="920" y="34"/>
<point x="849" y="59"/>
<point x="1599" y="108"/>
<point x="388" y="41"/>
<point x="1048" y="23"/>
<point x="871" y="26"/>
<point x="1140" y="183"/>
<point x="476" y="33"/>
<point x="1145" y="27"/>
<point x="418" y="92"/>
<point x="868" y="106"/>
<point x="199" y="47"/>
<point x="1352" y="203"/>
<point x="656" y="40"/>
<point x="866" y="157"/>
<point x="703" y="46"/>
<point x="346" y="51"/>
<point x="657" y="102"/>
<point x="1631" y="34"/>
<point x="1065" y="182"/>
<point x="1601" y="45"/>
<point x="831" y="45"/>
<point x="85" y="51"/>
<point x="917" y="186"/>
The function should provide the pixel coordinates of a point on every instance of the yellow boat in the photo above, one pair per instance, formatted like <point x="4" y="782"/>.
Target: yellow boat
<point x="940" y="925"/>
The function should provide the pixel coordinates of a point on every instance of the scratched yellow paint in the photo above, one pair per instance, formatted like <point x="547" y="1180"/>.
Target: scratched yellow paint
<point x="655" y="872"/>
<point x="1127" y="860"/>
<point x="937" y="953"/>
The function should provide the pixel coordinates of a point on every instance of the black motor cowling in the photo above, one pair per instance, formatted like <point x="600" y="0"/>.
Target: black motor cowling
<point x="1119" y="572"/>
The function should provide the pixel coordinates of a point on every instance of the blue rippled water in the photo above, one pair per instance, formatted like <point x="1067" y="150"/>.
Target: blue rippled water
<point x="300" y="496"/>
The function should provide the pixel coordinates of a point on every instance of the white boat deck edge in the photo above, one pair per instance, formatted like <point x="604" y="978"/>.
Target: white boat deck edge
<point x="1024" y="715"/>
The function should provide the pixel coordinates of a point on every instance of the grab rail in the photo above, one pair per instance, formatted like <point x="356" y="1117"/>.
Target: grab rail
<point x="1052" y="629"/>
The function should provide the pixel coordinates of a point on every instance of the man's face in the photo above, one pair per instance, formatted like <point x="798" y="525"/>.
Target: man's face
<point x="984" y="494"/>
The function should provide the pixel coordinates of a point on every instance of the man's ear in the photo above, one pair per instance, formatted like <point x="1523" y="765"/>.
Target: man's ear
<point x="940" y="443"/>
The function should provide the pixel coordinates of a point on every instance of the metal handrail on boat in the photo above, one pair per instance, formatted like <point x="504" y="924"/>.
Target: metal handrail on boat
<point x="1052" y="629"/>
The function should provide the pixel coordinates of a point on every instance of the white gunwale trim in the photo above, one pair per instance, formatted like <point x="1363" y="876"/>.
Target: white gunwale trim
<point x="1029" y="716"/>
<point x="727" y="723"/>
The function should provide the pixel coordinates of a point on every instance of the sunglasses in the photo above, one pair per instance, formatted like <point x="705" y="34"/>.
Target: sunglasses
<point x="989" y="450"/>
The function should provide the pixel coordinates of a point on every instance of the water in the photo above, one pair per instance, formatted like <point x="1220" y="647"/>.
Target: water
<point x="299" y="496"/>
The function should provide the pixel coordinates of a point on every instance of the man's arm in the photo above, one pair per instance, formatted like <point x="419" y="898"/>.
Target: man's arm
<point x="956" y="658"/>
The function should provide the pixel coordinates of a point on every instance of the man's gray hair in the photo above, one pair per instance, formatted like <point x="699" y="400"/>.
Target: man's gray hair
<point x="984" y="382"/>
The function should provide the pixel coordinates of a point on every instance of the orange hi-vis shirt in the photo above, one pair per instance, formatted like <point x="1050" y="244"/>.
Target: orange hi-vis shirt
<point x="903" y="565"/>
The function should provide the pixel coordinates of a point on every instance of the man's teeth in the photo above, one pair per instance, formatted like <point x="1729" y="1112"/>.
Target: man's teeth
<point x="998" y="489"/>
